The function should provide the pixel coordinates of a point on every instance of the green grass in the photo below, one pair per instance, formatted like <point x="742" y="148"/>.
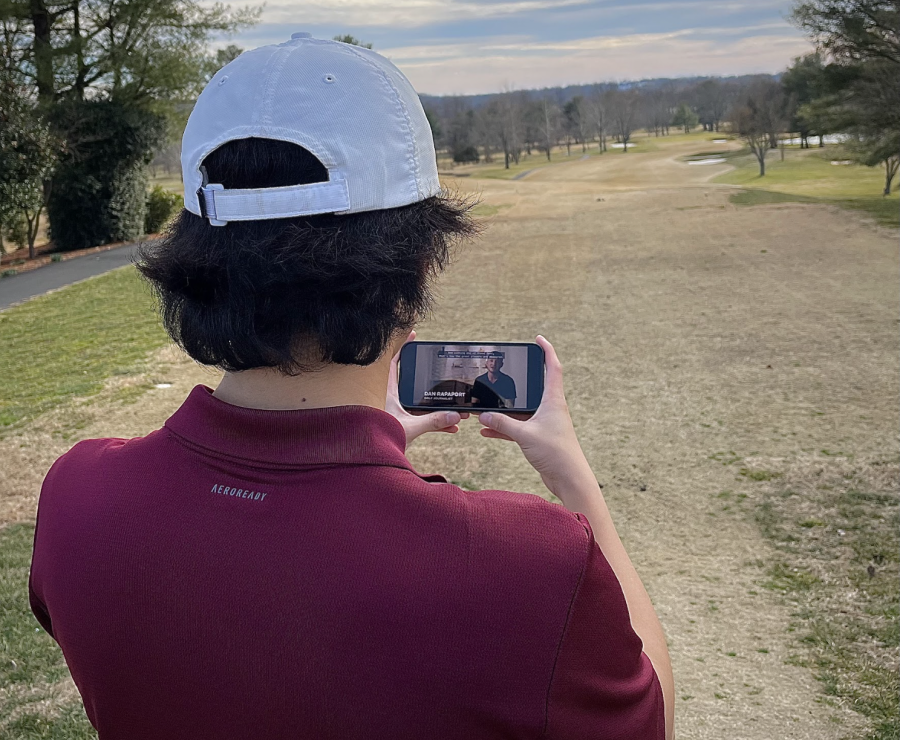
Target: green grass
<point x="64" y="344"/>
<point x="838" y="537"/>
<point x="807" y="176"/>
<point x="29" y="657"/>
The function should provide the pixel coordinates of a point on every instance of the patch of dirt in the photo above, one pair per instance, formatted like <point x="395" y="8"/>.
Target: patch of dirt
<point x="43" y="699"/>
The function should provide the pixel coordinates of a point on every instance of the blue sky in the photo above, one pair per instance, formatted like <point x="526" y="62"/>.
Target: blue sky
<point x="476" y="46"/>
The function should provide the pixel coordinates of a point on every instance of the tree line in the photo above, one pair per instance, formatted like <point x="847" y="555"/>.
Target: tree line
<point x="514" y="122"/>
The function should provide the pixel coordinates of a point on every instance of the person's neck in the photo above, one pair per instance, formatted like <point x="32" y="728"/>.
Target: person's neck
<point x="333" y="385"/>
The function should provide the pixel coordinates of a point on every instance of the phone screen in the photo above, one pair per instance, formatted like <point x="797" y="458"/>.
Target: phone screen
<point x="469" y="375"/>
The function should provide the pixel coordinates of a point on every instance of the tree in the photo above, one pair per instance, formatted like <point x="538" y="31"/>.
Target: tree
<point x="658" y="108"/>
<point x="852" y="30"/>
<point x="130" y="50"/>
<point x="624" y="108"/>
<point x="597" y="112"/>
<point x="862" y="94"/>
<point x="577" y="121"/>
<point x="712" y="103"/>
<point x="548" y="124"/>
<point x="348" y="39"/>
<point x="685" y="117"/>
<point x="27" y="157"/>
<point x="502" y="125"/>
<point x="757" y="116"/>
<point x="804" y="82"/>
<point x="145" y="58"/>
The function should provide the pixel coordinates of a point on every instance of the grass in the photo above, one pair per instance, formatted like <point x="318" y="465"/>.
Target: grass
<point x="807" y="176"/>
<point x="64" y="344"/>
<point x="30" y="661"/>
<point x="836" y="524"/>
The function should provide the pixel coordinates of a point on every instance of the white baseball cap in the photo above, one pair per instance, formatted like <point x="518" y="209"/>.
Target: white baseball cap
<point x="348" y="106"/>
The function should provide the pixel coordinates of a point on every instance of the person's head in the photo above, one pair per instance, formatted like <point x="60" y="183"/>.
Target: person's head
<point x="493" y="364"/>
<point x="298" y="292"/>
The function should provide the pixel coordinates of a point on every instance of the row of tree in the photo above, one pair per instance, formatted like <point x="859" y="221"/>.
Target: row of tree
<point x="517" y="121"/>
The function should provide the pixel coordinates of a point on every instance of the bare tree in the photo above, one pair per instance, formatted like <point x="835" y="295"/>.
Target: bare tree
<point x="624" y="106"/>
<point x="712" y="103"/>
<point x="548" y="124"/>
<point x="596" y="109"/>
<point x="759" y="118"/>
<point x="659" y="107"/>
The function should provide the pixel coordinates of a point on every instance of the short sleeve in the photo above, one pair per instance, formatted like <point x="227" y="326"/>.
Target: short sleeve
<point x="603" y="685"/>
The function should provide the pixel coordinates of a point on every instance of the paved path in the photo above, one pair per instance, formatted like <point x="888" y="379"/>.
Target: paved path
<point x="58" y="274"/>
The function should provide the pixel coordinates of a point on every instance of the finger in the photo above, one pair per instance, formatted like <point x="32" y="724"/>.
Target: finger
<point x="464" y="415"/>
<point x="491" y="434"/>
<point x="501" y="423"/>
<point x="435" y="421"/>
<point x="553" y="380"/>
<point x="395" y="361"/>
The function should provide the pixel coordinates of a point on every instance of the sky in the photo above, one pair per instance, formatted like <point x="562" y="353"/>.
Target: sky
<point x="463" y="47"/>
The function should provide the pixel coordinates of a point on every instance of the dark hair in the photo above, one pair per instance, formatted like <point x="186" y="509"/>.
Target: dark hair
<point x="293" y="293"/>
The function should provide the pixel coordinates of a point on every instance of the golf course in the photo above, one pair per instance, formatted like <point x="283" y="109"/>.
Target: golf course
<point x="730" y="352"/>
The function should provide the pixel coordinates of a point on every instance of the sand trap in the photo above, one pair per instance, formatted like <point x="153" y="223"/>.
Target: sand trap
<point x="841" y="161"/>
<point x="720" y="141"/>
<point x="622" y="146"/>
<point x="712" y="160"/>
<point x="814" y="140"/>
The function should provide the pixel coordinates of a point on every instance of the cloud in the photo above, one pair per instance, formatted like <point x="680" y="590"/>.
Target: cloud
<point x="404" y="13"/>
<point x="485" y="66"/>
<point x="472" y="46"/>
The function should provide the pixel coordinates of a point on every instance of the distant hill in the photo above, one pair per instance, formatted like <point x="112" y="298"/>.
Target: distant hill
<point x="562" y="94"/>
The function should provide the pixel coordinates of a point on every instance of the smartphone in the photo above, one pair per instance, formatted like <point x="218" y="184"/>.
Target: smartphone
<point x="471" y="376"/>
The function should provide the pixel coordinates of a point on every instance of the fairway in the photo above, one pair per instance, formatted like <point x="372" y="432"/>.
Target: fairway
<point x="715" y="354"/>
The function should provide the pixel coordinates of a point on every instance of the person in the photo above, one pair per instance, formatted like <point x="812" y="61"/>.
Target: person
<point x="494" y="388"/>
<point x="268" y="564"/>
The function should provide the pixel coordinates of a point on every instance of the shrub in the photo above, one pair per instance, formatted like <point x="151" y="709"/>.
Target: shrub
<point x="99" y="191"/>
<point x="8" y="273"/>
<point x="16" y="230"/>
<point x="56" y="258"/>
<point x="466" y="154"/>
<point x="161" y="204"/>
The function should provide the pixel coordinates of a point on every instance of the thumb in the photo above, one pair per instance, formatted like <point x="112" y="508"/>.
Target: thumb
<point x="434" y="422"/>
<point x="502" y="423"/>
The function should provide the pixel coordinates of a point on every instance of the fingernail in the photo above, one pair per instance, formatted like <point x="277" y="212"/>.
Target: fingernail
<point x="486" y="418"/>
<point x="451" y="418"/>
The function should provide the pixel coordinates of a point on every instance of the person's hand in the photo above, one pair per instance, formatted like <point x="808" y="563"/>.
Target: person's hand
<point x="415" y="425"/>
<point x="548" y="437"/>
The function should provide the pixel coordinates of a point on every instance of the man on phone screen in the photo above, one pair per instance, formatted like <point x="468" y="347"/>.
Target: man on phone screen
<point x="494" y="388"/>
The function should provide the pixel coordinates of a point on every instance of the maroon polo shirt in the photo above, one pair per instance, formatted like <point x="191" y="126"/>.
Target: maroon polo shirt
<point x="243" y="573"/>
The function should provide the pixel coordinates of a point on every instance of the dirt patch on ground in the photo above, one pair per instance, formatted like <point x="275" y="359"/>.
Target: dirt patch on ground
<point x="695" y="335"/>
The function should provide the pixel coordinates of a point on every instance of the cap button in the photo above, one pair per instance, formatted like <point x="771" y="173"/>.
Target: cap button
<point x="301" y="35"/>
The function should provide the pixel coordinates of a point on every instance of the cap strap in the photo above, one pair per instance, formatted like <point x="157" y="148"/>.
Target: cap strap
<point x="221" y="206"/>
